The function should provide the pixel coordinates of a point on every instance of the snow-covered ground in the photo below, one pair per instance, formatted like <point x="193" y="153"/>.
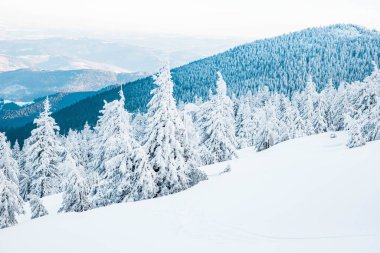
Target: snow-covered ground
<point x="305" y="195"/>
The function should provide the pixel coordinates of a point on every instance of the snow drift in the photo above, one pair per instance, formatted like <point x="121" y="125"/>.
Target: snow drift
<point x="305" y="195"/>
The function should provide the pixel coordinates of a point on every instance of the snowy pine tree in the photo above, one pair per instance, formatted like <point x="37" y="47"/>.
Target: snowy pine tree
<point x="75" y="196"/>
<point x="24" y="175"/>
<point x="218" y="126"/>
<point x="267" y="134"/>
<point x="16" y="152"/>
<point x="296" y="123"/>
<point x="338" y="109"/>
<point x="125" y="170"/>
<point x="10" y="200"/>
<point x="328" y="96"/>
<point x="309" y="96"/>
<point x="43" y="153"/>
<point x="319" y="117"/>
<point x="246" y="126"/>
<point x="190" y="142"/>
<point x="355" y="138"/>
<point x="164" y="143"/>
<point x="86" y="146"/>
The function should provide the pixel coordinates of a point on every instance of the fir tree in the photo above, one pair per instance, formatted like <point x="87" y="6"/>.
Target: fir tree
<point x="164" y="143"/>
<point x="75" y="196"/>
<point x="192" y="151"/>
<point x="43" y="155"/>
<point x="328" y="96"/>
<point x="267" y="134"/>
<point x="319" y="117"/>
<point x="125" y="170"/>
<point x="10" y="200"/>
<point x="24" y="175"/>
<point x="246" y="126"/>
<point x="16" y="152"/>
<point x="218" y="126"/>
<point x="355" y="138"/>
<point x="338" y="110"/>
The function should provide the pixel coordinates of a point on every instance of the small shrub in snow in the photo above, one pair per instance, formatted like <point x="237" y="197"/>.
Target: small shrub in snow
<point x="36" y="207"/>
<point x="226" y="170"/>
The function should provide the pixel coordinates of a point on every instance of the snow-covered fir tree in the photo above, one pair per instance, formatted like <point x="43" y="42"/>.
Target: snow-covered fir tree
<point x="165" y="139"/>
<point x="320" y="116"/>
<point x="267" y="133"/>
<point x="192" y="151"/>
<point x="338" y="109"/>
<point x="310" y="96"/>
<point x="11" y="203"/>
<point x="36" y="207"/>
<point x="281" y="117"/>
<point x="328" y="96"/>
<point x="246" y="124"/>
<point x="24" y="175"/>
<point x="75" y="195"/>
<point x="72" y="148"/>
<point x="355" y="138"/>
<point x="8" y="165"/>
<point x="125" y="171"/>
<point x="138" y="124"/>
<point x="218" y="126"/>
<point x="296" y="123"/>
<point x="86" y="145"/>
<point x="16" y="152"/>
<point x="43" y="155"/>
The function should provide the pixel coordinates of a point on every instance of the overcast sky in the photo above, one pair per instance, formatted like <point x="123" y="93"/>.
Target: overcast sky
<point x="215" y="18"/>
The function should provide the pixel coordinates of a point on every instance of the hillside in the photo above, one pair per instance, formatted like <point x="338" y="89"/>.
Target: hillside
<point x="339" y="52"/>
<point x="307" y="199"/>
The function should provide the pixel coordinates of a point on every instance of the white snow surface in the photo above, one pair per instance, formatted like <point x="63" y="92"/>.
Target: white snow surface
<point x="305" y="195"/>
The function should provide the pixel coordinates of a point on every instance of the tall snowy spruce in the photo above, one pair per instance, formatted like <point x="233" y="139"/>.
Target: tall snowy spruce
<point x="16" y="152"/>
<point x="268" y="130"/>
<point x="24" y="175"/>
<point x="190" y="142"/>
<point x="11" y="203"/>
<point x="165" y="140"/>
<point x="218" y="126"/>
<point x="43" y="155"/>
<point x="309" y="96"/>
<point x="246" y="123"/>
<point x="125" y="171"/>
<point x="75" y="195"/>
<point x="355" y="138"/>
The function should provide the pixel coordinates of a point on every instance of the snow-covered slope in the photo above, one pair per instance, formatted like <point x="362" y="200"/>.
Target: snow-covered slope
<point x="305" y="195"/>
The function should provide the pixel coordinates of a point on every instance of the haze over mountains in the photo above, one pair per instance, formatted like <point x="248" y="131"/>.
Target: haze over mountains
<point x="98" y="62"/>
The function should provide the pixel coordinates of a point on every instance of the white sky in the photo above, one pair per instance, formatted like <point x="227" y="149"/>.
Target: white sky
<point x="219" y="18"/>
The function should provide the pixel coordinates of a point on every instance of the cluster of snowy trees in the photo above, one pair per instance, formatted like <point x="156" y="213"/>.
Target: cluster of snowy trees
<point x="134" y="157"/>
<point x="265" y="119"/>
<point x="100" y="166"/>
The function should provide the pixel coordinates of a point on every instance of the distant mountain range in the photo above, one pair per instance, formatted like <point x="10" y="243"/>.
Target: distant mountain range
<point x="26" y="84"/>
<point x="339" y="52"/>
<point x="132" y="53"/>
